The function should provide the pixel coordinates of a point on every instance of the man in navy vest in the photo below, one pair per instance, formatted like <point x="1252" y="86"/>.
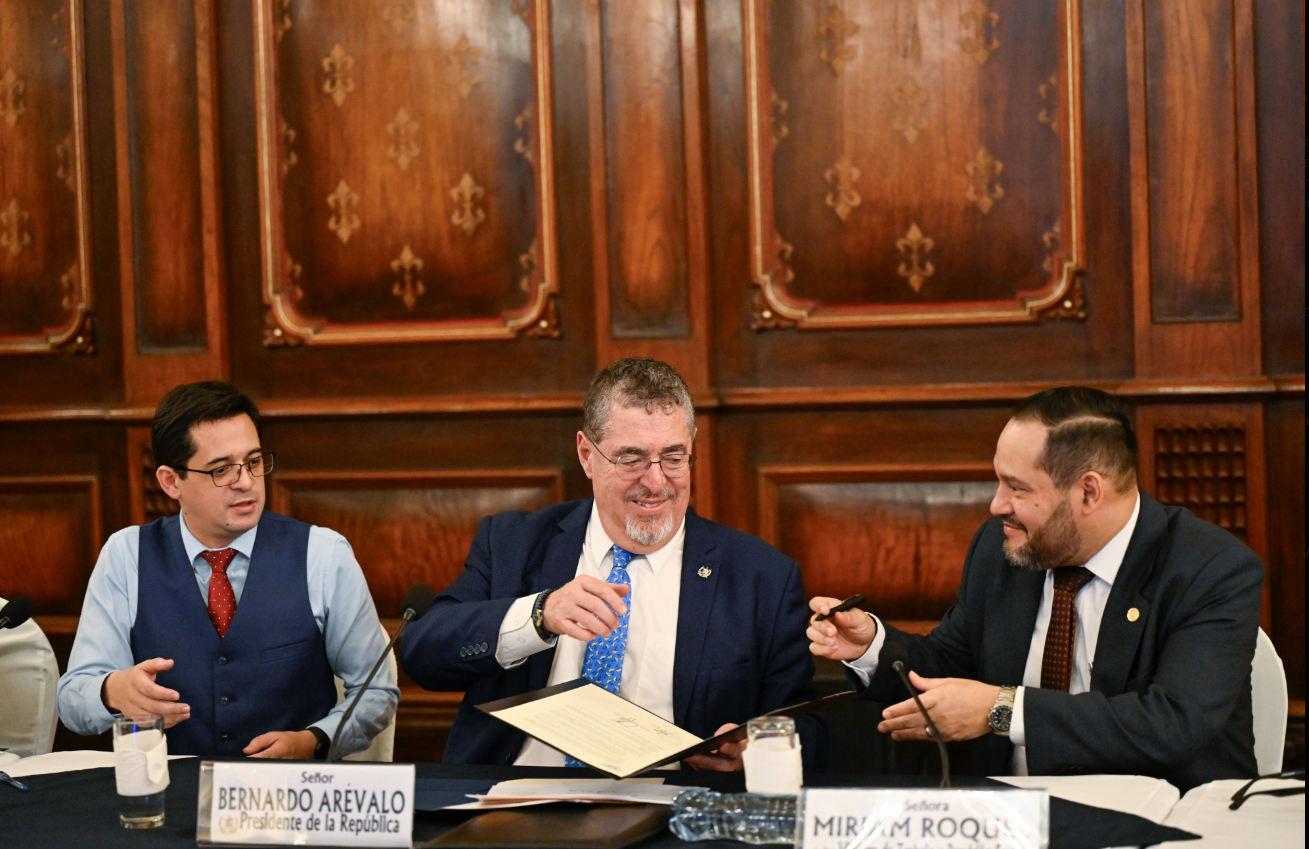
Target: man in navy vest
<point x="698" y="623"/>
<point x="229" y="621"/>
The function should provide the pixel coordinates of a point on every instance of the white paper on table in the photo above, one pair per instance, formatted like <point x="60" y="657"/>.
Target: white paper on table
<point x="141" y="763"/>
<point x="649" y="791"/>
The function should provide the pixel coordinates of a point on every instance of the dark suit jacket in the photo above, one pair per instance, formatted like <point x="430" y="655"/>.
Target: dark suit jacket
<point x="1170" y="692"/>
<point x="741" y="646"/>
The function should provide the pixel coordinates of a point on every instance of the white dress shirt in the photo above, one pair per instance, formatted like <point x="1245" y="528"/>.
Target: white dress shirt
<point x="1089" y="603"/>
<point x="651" y="630"/>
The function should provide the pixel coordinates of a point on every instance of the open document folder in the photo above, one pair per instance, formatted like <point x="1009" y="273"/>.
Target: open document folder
<point x="609" y="733"/>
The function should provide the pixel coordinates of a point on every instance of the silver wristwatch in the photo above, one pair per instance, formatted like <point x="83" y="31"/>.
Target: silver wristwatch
<point x="1002" y="712"/>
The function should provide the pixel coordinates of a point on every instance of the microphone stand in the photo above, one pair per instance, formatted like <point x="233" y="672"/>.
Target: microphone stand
<point x="898" y="666"/>
<point x="409" y="615"/>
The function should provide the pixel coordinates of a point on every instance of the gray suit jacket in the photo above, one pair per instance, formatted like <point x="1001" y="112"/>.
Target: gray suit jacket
<point x="1170" y="691"/>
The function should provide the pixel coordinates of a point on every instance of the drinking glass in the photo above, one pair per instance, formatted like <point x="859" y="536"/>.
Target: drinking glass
<point x="772" y="756"/>
<point x="140" y="769"/>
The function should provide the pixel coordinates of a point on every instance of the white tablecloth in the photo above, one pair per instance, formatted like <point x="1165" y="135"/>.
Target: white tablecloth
<point x="1151" y="798"/>
<point x="1263" y="822"/>
<point x="63" y="762"/>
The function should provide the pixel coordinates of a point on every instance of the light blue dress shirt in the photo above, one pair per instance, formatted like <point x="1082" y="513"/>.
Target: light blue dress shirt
<point x="338" y="597"/>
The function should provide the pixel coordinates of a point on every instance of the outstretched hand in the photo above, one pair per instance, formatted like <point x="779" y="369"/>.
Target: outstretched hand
<point x="291" y="745"/>
<point x="959" y="707"/>
<point x="846" y="636"/>
<point x="726" y="758"/>
<point x="133" y="692"/>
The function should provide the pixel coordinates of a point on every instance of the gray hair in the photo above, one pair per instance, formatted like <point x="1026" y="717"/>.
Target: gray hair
<point x="634" y="382"/>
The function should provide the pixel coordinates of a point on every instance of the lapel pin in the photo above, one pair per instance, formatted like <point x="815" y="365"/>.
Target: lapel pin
<point x="704" y="571"/>
<point x="1133" y="614"/>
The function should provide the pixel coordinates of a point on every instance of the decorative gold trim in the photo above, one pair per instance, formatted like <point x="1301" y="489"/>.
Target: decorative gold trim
<point x="1051" y="239"/>
<point x="843" y="198"/>
<point x="1049" y="114"/>
<point x="398" y="14"/>
<point x="339" y="67"/>
<point x="283" y="18"/>
<point x="835" y="30"/>
<point x="343" y="202"/>
<point x="982" y="20"/>
<point x="912" y="269"/>
<point x="982" y="171"/>
<point x="780" y="130"/>
<point x="286" y="325"/>
<point x="769" y="273"/>
<point x="289" y="159"/>
<point x="402" y="148"/>
<point x="64" y="169"/>
<point x="13" y="101"/>
<point x="409" y="288"/>
<point x="523" y="144"/>
<point x="468" y="216"/>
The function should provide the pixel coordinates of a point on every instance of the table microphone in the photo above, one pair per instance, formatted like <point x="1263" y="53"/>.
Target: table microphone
<point x="16" y="612"/>
<point x="899" y="655"/>
<point x="416" y="602"/>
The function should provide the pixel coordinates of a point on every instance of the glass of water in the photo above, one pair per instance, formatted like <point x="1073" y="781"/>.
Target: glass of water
<point x="140" y="769"/>
<point x="772" y="757"/>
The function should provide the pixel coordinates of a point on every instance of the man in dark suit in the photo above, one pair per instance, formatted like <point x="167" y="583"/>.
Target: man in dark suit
<point x="1095" y="631"/>
<point x="696" y="622"/>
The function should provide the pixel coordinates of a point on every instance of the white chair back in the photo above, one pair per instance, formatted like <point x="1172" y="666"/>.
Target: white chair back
<point x="1269" y="698"/>
<point x="28" y="678"/>
<point x="382" y="749"/>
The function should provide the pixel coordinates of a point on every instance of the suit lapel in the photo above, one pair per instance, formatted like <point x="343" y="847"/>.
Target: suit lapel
<point x="1120" y="636"/>
<point x="558" y="567"/>
<point x="693" y="609"/>
<point x="1010" y="637"/>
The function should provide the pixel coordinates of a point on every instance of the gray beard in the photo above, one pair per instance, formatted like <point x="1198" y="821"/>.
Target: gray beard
<point x="1050" y="546"/>
<point x="651" y="532"/>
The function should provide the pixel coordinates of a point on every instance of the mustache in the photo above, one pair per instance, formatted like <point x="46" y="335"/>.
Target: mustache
<point x="643" y="494"/>
<point x="1009" y="520"/>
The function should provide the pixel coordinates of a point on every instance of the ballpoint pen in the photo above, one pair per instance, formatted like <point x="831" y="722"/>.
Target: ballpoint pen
<point x="12" y="782"/>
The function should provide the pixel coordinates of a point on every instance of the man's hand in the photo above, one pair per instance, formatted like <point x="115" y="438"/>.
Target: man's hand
<point x="726" y="758"/>
<point x="133" y="692"/>
<point x="290" y="745"/>
<point x="585" y="608"/>
<point x="958" y="706"/>
<point x="846" y="636"/>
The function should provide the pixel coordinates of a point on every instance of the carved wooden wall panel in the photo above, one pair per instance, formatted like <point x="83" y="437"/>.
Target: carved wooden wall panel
<point x="44" y="218"/>
<point x="408" y="528"/>
<point x="913" y="163"/>
<point x="901" y="532"/>
<point x="168" y="219"/>
<point x="406" y="171"/>
<point x="50" y="536"/>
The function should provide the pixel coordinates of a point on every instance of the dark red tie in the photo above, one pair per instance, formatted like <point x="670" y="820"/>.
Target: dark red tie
<point x="222" y="601"/>
<point x="1057" y="662"/>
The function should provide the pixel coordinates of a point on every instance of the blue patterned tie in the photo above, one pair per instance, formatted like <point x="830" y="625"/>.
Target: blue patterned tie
<point x="604" y="655"/>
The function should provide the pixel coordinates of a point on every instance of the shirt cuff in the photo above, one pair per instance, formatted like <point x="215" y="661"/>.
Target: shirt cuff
<point x="865" y="666"/>
<point x="1017" y="731"/>
<point x="518" y="637"/>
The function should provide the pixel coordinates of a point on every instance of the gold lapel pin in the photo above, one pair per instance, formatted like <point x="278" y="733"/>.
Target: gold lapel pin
<point x="704" y="571"/>
<point x="1133" y="614"/>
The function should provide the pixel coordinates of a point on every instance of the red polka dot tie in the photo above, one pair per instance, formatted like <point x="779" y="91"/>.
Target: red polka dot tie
<point x="222" y="601"/>
<point x="1057" y="662"/>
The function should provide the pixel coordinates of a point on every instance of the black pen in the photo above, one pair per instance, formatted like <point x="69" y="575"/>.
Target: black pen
<point x="13" y="782"/>
<point x="849" y="604"/>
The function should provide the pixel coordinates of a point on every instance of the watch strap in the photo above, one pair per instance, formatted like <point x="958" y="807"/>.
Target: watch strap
<point x="538" y="617"/>
<point x="1002" y="712"/>
<point x="323" y="744"/>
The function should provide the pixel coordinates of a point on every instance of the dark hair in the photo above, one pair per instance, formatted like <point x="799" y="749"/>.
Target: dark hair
<point x="1089" y="430"/>
<point x="189" y="405"/>
<point x="633" y="382"/>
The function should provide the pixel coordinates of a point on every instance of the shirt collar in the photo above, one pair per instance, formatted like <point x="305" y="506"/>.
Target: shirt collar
<point x="244" y="544"/>
<point x="1108" y="560"/>
<point x="598" y="544"/>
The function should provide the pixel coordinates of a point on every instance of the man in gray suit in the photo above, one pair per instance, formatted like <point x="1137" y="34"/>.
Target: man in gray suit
<point x="1095" y="631"/>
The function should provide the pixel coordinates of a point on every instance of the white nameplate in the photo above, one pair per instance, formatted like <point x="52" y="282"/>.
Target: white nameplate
<point x="925" y="819"/>
<point x="271" y="803"/>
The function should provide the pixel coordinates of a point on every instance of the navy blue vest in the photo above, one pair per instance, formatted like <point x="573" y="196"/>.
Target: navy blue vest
<point x="269" y="674"/>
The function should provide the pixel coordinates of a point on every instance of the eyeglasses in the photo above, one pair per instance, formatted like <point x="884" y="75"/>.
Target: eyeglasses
<point x="231" y="473"/>
<point x="1244" y="793"/>
<point x="632" y="466"/>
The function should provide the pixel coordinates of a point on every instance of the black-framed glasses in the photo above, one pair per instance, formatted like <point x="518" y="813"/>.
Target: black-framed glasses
<point x="231" y="473"/>
<point x="1244" y="793"/>
<point x="632" y="466"/>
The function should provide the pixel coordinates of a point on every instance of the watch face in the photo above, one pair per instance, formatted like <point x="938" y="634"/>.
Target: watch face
<point x="1001" y="716"/>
